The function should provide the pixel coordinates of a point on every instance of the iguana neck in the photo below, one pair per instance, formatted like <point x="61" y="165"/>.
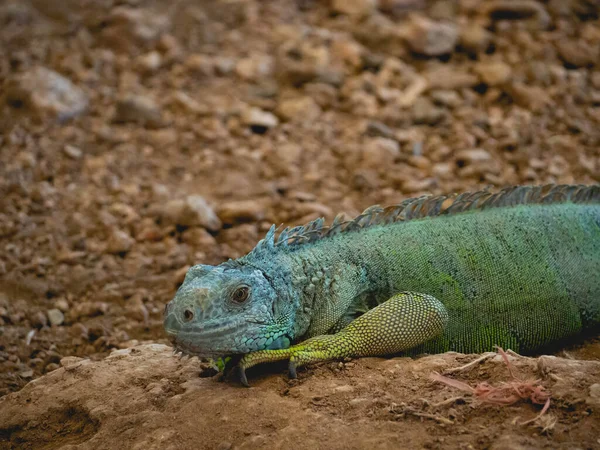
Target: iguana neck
<point x="324" y="278"/>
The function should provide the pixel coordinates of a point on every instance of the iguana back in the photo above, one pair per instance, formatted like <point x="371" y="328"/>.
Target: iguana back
<point x="521" y="276"/>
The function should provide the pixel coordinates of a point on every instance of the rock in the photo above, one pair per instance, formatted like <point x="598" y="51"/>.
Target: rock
<point x="443" y="170"/>
<point x="200" y="64"/>
<point x="46" y="94"/>
<point x="475" y="155"/>
<point x="119" y="241"/>
<point x="529" y="10"/>
<point x="401" y="7"/>
<point x="299" y="109"/>
<point x="594" y="397"/>
<point x="62" y="305"/>
<point x="38" y="320"/>
<point x="361" y="103"/>
<point x="191" y="211"/>
<point x="50" y="367"/>
<point x="528" y="96"/>
<point x="380" y="152"/>
<point x="286" y="157"/>
<point x="149" y="62"/>
<point x="26" y="373"/>
<point x="163" y="137"/>
<point x="72" y="152"/>
<point x="383" y="36"/>
<point x="87" y="309"/>
<point x="224" y="65"/>
<point x="348" y="52"/>
<point x="577" y="53"/>
<point x="375" y="128"/>
<point x="241" y="211"/>
<point x="225" y="445"/>
<point x="259" y="120"/>
<point x="239" y="240"/>
<point x="68" y="12"/>
<point x="560" y="7"/>
<point x="318" y="209"/>
<point x="42" y="192"/>
<point x="474" y="38"/>
<point x="447" y="98"/>
<point x="413" y="92"/>
<point x="55" y="317"/>
<point x="198" y="237"/>
<point x="425" y="112"/>
<point x="16" y="317"/>
<point x="448" y="78"/>
<point x="180" y="275"/>
<point x="136" y="309"/>
<point x="539" y="73"/>
<point x="168" y="44"/>
<point x="17" y="13"/>
<point x="70" y="361"/>
<point x="354" y="7"/>
<point x="418" y="185"/>
<point x="128" y="28"/>
<point x="595" y="79"/>
<point x="138" y="109"/>
<point x="255" y="67"/>
<point x="148" y="231"/>
<point x="431" y="38"/>
<point x="187" y="103"/>
<point x="494" y="73"/>
<point x="302" y="60"/>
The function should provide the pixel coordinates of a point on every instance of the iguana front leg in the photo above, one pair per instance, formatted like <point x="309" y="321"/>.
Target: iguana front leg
<point x="400" y="323"/>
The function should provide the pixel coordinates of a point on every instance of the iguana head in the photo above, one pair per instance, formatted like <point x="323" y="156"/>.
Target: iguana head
<point x="225" y="310"/>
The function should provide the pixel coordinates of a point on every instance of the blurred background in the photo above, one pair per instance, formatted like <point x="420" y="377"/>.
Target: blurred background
<point x="140" y="137"/>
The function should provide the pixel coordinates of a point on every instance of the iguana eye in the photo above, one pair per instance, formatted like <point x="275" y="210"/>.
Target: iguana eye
<point x="240" y="295"/>
<point x="188" y="315"/>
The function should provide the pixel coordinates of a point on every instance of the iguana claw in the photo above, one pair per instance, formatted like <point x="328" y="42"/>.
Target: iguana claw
<point x="292" y="370"/>
<point x="235" y="364"/>
<point x="242" y="376"/>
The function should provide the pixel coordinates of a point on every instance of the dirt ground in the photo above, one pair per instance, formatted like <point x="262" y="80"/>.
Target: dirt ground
<point x="140" y="137"/>
<point x="144" y="398"/>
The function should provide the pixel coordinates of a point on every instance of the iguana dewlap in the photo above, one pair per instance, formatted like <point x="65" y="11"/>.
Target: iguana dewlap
<point x="519" y="269"/>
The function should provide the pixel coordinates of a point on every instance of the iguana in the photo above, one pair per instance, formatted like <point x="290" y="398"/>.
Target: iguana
<point x="519" y="269"/>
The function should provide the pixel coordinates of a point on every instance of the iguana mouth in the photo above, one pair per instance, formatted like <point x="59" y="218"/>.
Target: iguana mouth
<point x="187" y="348"/>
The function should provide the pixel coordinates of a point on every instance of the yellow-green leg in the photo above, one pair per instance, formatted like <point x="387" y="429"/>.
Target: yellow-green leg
<point x="400" y="323"/>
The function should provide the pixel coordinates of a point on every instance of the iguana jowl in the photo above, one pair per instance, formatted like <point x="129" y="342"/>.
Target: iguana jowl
<point x="519" y="269"/>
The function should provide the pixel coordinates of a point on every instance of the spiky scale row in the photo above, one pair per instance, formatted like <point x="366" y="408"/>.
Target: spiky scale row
<point x="428" y="206"/>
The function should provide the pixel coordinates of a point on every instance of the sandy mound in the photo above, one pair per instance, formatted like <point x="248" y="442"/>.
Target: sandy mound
<point x="145" y="398"/>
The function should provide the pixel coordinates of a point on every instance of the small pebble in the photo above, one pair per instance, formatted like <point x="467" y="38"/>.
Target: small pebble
<point x="55" y="317"/>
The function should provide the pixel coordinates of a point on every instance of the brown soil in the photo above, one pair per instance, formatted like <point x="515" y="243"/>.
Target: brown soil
<point x="139" y="137"/>
<point x="145" y="398"/>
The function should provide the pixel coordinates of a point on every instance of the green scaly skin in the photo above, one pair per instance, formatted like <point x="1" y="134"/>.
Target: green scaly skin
<point x="521" y="274"/>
